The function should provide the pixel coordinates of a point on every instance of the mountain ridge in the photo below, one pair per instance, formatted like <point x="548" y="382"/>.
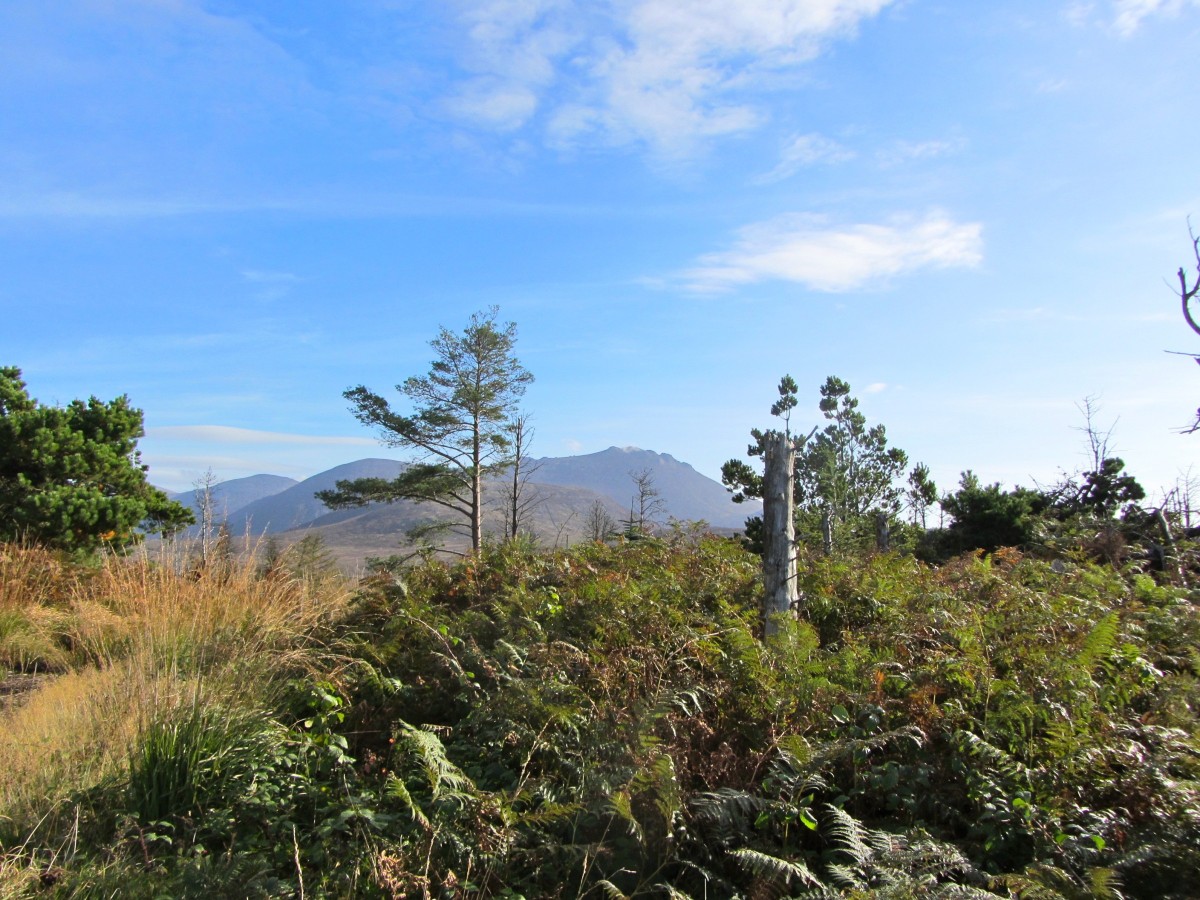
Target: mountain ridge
<point x="564" y="490"/>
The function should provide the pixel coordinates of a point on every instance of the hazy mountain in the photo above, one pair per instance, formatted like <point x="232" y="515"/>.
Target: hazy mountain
<point x="565" y="487"/>
<point x="558" y="517"/>
<point x="296" y="506"/>
<point x="686" y="494"/>
<point x="231" y="496"/>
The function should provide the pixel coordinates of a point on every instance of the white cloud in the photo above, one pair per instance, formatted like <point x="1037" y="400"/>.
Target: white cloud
<point x="876" y="388"/>
<point x="904" y="151"/>
<point x="1128" y="14"/>
<point x="657" y="72"/>
<point x="498" y="105"/>
<point x="806" y="150"/>
<point x="224" y="434"/>
<point x="806" y="250"/>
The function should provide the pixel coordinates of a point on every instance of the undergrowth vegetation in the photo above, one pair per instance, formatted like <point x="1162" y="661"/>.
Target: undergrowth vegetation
<point x="605" y="722"/>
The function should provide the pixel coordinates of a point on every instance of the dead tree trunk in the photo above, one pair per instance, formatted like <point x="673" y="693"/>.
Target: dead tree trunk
<point x="883" y="532"/>
<point x="1171" y="552"/>
<point x="779" y="530"/>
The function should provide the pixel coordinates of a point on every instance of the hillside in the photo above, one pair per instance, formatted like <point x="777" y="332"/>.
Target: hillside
<point x="565" y="488"/>
<point x="230" y="497"/>
<point x="556" y="517"/>
<point x="686" y="494"/>
<point x="606" y="718"/>
<point x="296" y="506"/>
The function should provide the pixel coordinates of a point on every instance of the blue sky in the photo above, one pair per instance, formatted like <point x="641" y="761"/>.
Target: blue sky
<point x="232" y="211"/>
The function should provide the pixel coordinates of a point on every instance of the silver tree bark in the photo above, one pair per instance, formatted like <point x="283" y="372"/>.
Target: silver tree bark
<point x="779" y="531"/>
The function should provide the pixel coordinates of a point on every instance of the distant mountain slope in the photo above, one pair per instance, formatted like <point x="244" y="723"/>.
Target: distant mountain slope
<point x="231" y="496"/>
<point x="558" y="517"/>
<point x="568" y="487"/>
<point x="686" y="494"/>
<point x="297" y="506"/>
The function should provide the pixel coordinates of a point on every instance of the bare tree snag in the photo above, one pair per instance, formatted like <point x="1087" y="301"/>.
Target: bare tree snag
<point x="779" y="530"/>
<point x="883" y="539"/>
<point x="1187" y="294"/>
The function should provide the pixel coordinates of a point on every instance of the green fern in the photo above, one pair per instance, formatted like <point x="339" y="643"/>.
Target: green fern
<point x="781" y="873"/>
<point x="446" y="780"/>
<point x="1099" y="644"/>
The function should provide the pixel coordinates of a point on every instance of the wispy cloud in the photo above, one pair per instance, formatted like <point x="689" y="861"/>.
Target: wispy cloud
<point x="805" y="150"/>
<point x="224" y="434"/>
<point x="53" y="204"/>
<point x="1128" y="15"/>
<point x="906" y="151"/>
<point x="809" y="251"/>
<point x="271" y="285"/>
<point x="660" y="73"/>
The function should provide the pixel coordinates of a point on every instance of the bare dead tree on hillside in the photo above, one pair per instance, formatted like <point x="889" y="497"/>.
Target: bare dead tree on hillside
<point x="518" y="499"/>
<point x="647" y="504"/>
<point x="598" y="525"/>
<point x="1186" y="295"/>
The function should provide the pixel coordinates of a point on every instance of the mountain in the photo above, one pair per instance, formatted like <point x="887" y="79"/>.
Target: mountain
<point x="686" y="494"/>
<point x="296" y="506"/>
<point x="231" y="496"/>
<point x="565" y="488"/>
<point x="557" y="516"/>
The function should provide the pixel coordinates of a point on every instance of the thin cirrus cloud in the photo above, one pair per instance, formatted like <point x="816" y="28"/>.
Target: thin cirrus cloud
<point x="660" y="73"/>
<point x="807" y="251"/>
<point x="806" y="150"/>
<point x="1129" y="14"/>
<point x="905" y="151"/>
<point x="224" y="434"/>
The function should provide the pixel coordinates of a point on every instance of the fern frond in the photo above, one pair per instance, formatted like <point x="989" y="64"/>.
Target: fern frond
<point x="727" y="806"/>
<point x="510" y="655"/>
<point x="846" y="878"/>
<point x="779" y="872"/>
<point x="1105" y="884"/>
<point x="1099" y="643"/>
<point x="962" y="892"/>
<point x="935" y="859"/>
<point x="397" y="790"/>
<point x="620" y="804"/>
<point x="848" y="835"/>
<point x="1002" y="761"/>
<point x="829" y="752"/>
<point x="549" y="813"/>
<point x="444" y="777"/>
<point x="672" y="892"/>
<point x="611" y="890"/>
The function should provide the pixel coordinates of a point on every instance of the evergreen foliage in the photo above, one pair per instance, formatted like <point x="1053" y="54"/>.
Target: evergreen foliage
<point x="847" y="476"/>
<point x="71" y="477"/>
<point x="461" y="422"/>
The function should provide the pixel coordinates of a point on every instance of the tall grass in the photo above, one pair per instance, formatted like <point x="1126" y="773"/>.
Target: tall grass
<point x="139" y="650"/>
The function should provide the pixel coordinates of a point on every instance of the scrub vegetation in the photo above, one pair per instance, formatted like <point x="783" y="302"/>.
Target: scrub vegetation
<point x="603" y="721"/>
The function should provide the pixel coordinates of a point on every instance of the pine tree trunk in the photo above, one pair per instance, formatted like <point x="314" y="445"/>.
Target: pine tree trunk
<point x="779" y="531"/>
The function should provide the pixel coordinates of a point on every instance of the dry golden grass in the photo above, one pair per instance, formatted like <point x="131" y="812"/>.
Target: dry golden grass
<point x="54" y="617"/>
<point x="30" y="576"/>
<point x="127" y="640"/>
<point x="181" y="615"/>
<point x="71" y="733"/>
